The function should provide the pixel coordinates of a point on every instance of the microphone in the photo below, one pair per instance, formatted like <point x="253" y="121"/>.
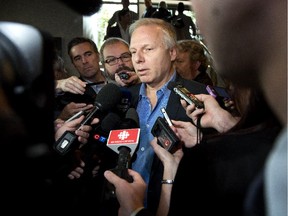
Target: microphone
<point x="106" y="99"/>
<point x="97" y="143"/>
<point x="125" y="102"/>
<point x="124" y="142"/>
<point x="128" y="133"/>
<point x="184" y="93"/>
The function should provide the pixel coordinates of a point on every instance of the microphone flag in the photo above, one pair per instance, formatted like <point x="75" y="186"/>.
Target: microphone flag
<point x="128" y="137"/>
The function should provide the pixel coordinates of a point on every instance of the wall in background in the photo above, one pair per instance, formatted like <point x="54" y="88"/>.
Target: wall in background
<point x="48" y="15"/>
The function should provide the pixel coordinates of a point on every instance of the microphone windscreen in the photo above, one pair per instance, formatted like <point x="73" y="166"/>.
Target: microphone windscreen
<point x="133" y="115"/>
<point x="110" y="122"/>
<point x="108" y="97"/>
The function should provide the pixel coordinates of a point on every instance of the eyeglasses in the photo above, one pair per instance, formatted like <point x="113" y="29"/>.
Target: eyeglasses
<point x="125" y="57"/>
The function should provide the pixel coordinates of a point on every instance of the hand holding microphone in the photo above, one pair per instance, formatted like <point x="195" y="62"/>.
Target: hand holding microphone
<point x="124" y="142"/>
<point x="72" y="125"/>
<point x="107" y="98"/>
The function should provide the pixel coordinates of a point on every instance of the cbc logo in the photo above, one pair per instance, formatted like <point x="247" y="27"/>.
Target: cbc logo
<point x="100" y="138"/>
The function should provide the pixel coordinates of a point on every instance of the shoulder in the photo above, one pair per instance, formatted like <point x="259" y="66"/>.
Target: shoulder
<point x="193" y="86"/>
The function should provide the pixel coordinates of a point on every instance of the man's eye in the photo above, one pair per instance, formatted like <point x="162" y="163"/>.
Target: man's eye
<point x="110" y="60"/>
<point x="148" y="49"/>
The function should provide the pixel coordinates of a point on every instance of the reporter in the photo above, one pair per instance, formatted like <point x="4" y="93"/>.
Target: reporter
<point x="116" y="59"/>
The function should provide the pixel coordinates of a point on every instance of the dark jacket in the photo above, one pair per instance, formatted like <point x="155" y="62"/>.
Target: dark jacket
<point x="113" y="31"/>
<point x="216" y="175"/>
<point x="149" y="11"/>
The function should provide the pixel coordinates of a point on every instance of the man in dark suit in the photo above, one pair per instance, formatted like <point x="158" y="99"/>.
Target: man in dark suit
<point x="121" y="29"/>
<point x="149" y="9"/>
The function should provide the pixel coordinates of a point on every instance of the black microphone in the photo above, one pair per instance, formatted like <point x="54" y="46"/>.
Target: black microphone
<point x="131" y="120"/>
<point x="97" y="143"/>
<point x="107" y="98"/>
<point x="124" y="142"/>
<point x="125" y="102"/>
<point x="184" y="93"/>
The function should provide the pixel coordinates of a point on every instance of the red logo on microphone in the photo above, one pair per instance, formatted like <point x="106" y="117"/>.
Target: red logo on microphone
<point x="124" y="136"/>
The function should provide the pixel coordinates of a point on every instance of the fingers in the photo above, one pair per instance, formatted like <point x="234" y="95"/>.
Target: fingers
<point x="136" y="176"/>
<point x="76" y="173"/>
<point x="95" y="171"/>
<point x="75" y="85"/>
<point x="111" y="177"/>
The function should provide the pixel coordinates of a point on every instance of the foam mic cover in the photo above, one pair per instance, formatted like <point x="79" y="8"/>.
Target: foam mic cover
<point x="110" y="122"/>
<point x="125" y="101"/>
<point x="131" y="120"/>
<point x="108" y="97"/>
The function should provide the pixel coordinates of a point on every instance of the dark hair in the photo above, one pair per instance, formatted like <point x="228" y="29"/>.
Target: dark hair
<point x="180" y="7"/>
<point x="79" y="40"/>
<point x="122" y="13"/>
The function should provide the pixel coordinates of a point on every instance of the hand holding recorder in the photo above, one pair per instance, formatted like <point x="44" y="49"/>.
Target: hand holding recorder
<point x="162" y="130"/>
<point x="214" y="116"/>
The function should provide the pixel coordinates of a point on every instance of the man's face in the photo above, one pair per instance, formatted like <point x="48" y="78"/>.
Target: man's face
<point x="117" y="50"/>
<point x="85" y="60"/>
<point x="150" y="57"/>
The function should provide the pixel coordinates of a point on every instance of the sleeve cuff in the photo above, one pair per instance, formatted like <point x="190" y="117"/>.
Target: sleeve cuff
<point x="134" y="213"/>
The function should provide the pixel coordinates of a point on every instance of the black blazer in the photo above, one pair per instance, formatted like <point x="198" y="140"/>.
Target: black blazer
<point x="177" y="112"/>
<point x="113" y="32"/>
<point x="215" y="176"/>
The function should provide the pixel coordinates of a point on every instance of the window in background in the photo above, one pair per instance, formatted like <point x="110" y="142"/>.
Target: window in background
<point x="94" y="27"/>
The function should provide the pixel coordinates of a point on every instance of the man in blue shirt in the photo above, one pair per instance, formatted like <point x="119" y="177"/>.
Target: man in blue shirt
<point x="153" y="49"/>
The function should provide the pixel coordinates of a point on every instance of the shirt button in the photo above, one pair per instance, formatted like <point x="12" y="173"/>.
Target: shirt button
<point x="142" y="149"/>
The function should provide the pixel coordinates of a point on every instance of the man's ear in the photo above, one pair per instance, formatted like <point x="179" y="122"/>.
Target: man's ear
<point x="173" y="54"/>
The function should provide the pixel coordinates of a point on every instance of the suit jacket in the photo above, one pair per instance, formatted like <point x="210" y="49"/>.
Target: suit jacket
<point x="215" y="175"/>
<point x="175" y="110"/>
<point x="113" y="31"/>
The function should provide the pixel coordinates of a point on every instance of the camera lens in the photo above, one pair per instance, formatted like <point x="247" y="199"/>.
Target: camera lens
<point x="124" y="76"/>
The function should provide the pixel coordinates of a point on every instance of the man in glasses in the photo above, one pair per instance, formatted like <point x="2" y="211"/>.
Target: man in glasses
<point x="116" y="59"/>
